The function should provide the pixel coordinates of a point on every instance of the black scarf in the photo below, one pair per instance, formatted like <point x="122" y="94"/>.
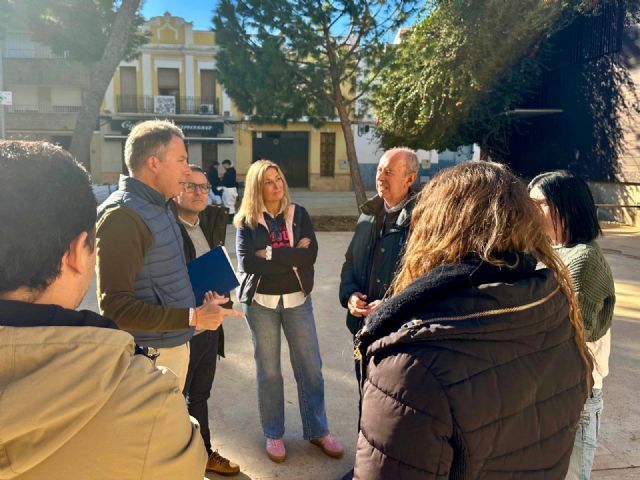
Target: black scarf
<point x="23" y="314"/>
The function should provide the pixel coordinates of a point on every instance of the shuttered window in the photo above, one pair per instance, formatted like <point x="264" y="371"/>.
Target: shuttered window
<point x="327" y="154"/>
<point x="168" y="79"/>
<point x="207" y="86"/>
<point x="128" y="81"/>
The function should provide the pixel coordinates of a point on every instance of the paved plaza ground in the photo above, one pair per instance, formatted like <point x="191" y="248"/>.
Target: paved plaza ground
<point x="235" y="423"/>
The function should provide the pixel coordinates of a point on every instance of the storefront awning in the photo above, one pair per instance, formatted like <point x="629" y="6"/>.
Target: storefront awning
<point x="187" y="139"/>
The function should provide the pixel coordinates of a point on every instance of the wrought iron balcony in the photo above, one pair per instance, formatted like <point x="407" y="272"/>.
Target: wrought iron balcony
<point x="167" y="105"/>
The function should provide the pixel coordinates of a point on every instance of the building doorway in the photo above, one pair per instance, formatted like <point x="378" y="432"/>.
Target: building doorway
<point x="290" y="150"/>
<point x="209" y="154"/>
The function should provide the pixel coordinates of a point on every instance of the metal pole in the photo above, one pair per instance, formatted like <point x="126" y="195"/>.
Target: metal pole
<point x="2" y="131"/>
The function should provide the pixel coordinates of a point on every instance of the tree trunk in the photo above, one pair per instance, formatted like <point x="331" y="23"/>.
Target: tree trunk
<point x="345" y="120"/>
<point x="99" y="78"/>
<point x="356" y="178"/>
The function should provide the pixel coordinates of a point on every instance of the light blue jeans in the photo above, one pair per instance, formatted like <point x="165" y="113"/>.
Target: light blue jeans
<point x="299" y="328"/>
<point x="584" y="447"/>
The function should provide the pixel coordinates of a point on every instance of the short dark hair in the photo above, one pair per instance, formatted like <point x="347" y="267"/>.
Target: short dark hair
<point x="226" y="162"/>
<point x="146" y="139"/>
<point x="46" y="201"/>
<point x="196" y="168"/>
<point x="571" y="205"/>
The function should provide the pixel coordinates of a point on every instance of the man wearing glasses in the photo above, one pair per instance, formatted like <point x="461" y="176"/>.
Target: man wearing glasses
<point x="142" y="278"/>
<point x="203" y="227"/>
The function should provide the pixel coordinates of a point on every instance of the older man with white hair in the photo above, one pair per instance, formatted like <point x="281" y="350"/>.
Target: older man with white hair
<point x="383" y="227"/>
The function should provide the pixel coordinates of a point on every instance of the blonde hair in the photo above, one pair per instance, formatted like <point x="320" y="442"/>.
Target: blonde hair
<point x="482" y="209"/>
<point x="252" y="204"/>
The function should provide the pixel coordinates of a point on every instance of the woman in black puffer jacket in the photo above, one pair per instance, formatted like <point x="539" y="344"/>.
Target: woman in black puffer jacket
<point x="475" y="367"/>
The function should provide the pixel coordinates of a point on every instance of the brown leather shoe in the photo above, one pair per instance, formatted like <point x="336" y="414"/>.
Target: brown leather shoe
<point x="218" y="464"/>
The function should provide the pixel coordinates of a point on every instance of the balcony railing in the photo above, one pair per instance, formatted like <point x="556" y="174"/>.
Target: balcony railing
<point x="43" y="108"/>
<point x="167" y="105"/>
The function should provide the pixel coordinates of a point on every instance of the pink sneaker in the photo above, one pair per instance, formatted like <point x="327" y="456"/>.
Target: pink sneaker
<point x="330" y="445"/>
<point x="275" y="450"/>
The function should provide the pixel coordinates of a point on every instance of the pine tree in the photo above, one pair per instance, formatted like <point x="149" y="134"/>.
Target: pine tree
<point x="98" y="33"/>
<point x="281" y="60"/>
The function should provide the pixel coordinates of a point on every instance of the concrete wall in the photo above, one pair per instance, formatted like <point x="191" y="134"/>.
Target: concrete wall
<point x="227" y="150"/>
<point x="106" y="159"/>
<point x="629" y="161"/>
<point x="25" y="96"/>
<point x="618" y="202"/>
<point x="66" y="96"/>
<point x="44" y="71"/>
<point x="369" y="153"/>
<point x="41" y="123"/>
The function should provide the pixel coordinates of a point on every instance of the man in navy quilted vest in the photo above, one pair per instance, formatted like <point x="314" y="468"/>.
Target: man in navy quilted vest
<point x="143" y="284"/>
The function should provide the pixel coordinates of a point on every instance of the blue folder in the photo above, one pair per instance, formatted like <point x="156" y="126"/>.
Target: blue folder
<point x="212" y="271"/>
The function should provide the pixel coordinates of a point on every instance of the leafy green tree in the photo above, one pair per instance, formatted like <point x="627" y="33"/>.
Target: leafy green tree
<point x="459" y="72"/>
<point x="281" y="60"/>
<point x="98" y="33"/>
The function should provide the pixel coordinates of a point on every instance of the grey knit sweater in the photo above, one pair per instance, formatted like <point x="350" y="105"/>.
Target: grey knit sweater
<point x="593" y="282"/>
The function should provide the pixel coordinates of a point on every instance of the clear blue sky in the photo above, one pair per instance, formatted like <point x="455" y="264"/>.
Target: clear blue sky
<point x="199" y="12"/>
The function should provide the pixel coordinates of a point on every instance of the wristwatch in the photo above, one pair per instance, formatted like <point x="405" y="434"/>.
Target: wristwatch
<point x="269" y="252"/>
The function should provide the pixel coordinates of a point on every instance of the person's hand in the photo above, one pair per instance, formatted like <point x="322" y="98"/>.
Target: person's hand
<point x="210" y="314"/>
<point x="357" y="304"/>
<point x="261" y="253"/>
<point x="303" y="243"/>
<point x="372" y="306"/>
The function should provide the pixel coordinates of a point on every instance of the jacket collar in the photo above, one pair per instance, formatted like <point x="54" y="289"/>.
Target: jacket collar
<point x="23" y="314"/>
<point x="375" y="206"/>
<point x="436" y="285"/>
<point x="142" y="190"/>
<point x="288" y="220"/>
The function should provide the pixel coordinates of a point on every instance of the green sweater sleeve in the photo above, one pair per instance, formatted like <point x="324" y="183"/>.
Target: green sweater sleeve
<point x="122" y="240"/>
<point x="593" y="283"/>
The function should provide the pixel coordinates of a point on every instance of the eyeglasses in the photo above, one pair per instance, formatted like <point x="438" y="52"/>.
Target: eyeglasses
<point x="191" y="187"/>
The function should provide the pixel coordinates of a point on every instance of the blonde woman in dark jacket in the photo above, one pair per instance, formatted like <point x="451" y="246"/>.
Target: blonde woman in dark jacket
<point x="462" y="377"/>
<point x="277" y="248"/>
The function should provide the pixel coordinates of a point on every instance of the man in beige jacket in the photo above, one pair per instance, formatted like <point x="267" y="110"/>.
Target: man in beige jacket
<point x="77" y="400"/>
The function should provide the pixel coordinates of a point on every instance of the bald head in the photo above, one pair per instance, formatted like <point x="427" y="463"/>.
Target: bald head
<point x="397" y="170"/>
<point x="408" y="155"/>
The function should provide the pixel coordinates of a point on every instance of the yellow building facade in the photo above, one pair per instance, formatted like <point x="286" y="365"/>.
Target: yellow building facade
<point x="173" y="77"/>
